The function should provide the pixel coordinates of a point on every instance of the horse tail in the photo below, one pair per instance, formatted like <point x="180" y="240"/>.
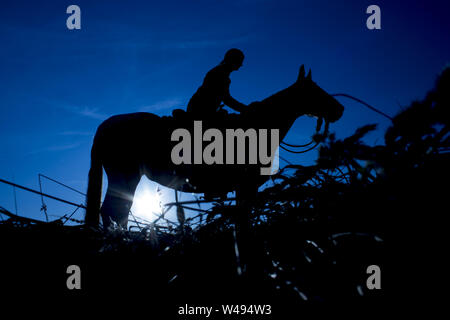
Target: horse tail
<point x="95" y="181"/>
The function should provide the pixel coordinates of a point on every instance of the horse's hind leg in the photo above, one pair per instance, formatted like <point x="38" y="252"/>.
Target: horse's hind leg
<point x="119" y="197"/>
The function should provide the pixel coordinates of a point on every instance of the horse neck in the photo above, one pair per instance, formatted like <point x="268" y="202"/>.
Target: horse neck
<point x="280" y="110"/>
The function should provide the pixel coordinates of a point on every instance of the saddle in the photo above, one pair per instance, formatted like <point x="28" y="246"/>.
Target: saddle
<point x="201" y="176"/>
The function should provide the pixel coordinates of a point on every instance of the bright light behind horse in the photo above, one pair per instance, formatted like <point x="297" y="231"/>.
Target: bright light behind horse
<point x="147" y="201"/>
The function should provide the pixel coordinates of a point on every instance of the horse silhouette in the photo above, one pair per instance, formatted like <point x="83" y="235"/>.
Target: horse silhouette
<point x="129" y="146"/>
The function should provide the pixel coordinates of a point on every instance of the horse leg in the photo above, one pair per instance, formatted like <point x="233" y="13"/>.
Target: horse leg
<point x="245" y="195"/>
<point x="119" y="197"/>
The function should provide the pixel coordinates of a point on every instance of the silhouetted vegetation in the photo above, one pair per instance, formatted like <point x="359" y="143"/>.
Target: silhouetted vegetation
<point x="310" y="235"/>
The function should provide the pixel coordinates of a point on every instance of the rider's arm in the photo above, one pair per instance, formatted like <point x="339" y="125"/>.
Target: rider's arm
<point x="233" y="103"/>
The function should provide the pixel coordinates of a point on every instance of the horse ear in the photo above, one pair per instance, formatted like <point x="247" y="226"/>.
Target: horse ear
<point x="301" y="74"/>
<point x="309" y="77"/>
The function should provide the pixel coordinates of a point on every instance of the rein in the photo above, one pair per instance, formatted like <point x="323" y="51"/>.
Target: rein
<point x="284" y="145"/>
<point x="316" y="143"/>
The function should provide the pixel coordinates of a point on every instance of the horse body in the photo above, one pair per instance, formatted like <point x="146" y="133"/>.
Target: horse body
<point x="131" y="145"/>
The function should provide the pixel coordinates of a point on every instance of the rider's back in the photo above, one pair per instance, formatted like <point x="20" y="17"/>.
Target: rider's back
<point x="209" y="96"/>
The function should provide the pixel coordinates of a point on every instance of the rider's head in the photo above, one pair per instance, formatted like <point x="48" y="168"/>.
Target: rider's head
<point x="233" y="58"/>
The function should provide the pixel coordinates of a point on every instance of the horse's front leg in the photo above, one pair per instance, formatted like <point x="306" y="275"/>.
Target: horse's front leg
<point x="245" y="196"/>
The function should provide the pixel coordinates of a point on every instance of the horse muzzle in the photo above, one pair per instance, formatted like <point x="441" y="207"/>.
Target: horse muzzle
<point x="336" y="115"/>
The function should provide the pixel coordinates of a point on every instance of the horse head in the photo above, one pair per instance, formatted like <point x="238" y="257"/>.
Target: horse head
<point x="304" y="97"/>
<point x="317" y="102"/>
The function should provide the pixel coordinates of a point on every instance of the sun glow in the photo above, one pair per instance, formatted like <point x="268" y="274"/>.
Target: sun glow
<point x="147" y="201"/>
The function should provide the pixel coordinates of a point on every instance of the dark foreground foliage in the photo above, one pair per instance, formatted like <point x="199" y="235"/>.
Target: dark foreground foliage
<point x="308" y="237"/>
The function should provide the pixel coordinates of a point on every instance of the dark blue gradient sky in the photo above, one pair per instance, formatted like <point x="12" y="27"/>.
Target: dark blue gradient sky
<point x="58" y="85"/>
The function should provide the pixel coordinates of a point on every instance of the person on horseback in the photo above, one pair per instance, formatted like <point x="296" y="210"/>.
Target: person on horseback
<point x="214" y="91"/>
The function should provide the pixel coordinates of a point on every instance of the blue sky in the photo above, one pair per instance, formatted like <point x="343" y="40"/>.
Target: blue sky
<point x="57" y="85"/>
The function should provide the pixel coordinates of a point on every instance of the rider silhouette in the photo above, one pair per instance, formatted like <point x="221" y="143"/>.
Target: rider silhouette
<point x="214" y="91"/>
